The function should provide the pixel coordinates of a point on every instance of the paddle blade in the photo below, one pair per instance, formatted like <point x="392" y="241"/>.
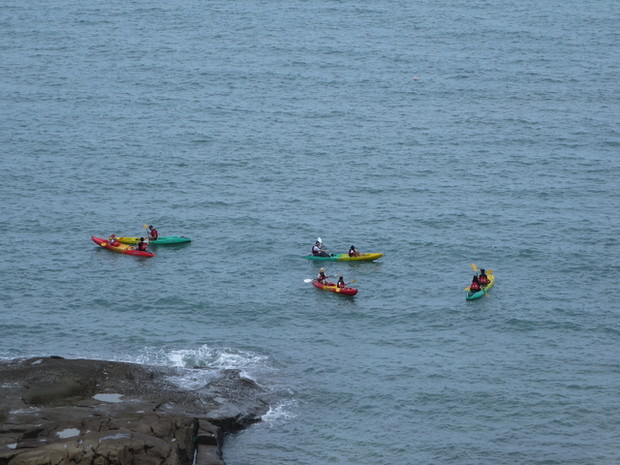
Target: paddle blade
<point x="146" y="226"/>
<point x="474" y="267"/>
<point x="489" y="271"/>
<point x="319" y="239"/>
<point x="307" y="280"/>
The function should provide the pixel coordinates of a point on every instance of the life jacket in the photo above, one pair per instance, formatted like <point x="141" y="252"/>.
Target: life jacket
<point x="474" y="287"/>
<point x="341" y="284"/>
<point x="321" y="277"/>
<point x="154" y="234"/>
<point x="316" y="250"/>
<point x="142" y="246"/>
<point x="483" y="279"/>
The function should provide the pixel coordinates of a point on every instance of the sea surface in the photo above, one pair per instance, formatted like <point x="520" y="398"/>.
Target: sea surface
<point x="443" y="134"/>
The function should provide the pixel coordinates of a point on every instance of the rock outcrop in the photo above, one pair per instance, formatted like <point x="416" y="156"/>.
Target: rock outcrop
<point x="56" y="411"/>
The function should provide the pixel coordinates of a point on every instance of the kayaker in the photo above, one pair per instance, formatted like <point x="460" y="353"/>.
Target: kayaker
<point x="475" y="285"/>
<point x="153" y="234"/>
<point x="112" y="240"/>
<point x="322" y="277"/>
<point x="482" y="278"/>
<point x="318" y="250"/>
<point x="353" y="252"/>
<point x="142" y="245"/>
<point x="341" y="283"/>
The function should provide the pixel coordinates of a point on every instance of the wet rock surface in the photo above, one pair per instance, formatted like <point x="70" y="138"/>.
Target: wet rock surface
<point x="59" y="411"/>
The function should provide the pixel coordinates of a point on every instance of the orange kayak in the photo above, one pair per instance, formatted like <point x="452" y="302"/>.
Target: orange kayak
<point x="333" y="288"/>
<point x="121" y="248"/>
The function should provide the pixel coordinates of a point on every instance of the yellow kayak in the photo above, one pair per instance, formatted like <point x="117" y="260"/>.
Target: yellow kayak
<point x="344" y="257"/>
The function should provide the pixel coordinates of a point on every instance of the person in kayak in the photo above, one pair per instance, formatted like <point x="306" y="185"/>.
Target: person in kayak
<point x="322" y="277"/>
<point x="475" y="285"/>
<point x="142" y="245"/>
<point x="353" y="252"/>
<point x="319" y="251"/>
<point x="112" y="240"/>
<point x="153" y="234"/>
<point x="483" y="279"/>
<point x="341" y="283"/>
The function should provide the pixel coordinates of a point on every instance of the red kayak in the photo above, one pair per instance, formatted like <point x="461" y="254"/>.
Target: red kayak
<point x="121" y="248"/>
<point x="333" y="288"/>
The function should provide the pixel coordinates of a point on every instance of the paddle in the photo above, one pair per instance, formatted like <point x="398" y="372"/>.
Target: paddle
<point x="308" y="280"/>
<point x="475" y="268"/>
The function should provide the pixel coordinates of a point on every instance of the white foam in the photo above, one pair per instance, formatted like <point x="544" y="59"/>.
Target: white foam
<point x="250" y="364"/>
<point x="203" y="356"/>
<point x="222" y="358"/>
<point x="279" y="413"/>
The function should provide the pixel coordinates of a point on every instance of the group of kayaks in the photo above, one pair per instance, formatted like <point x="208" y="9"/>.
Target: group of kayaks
<point x="128" y="245"/>
<point x="340" y="257"/>
<point x="350" y="291"/>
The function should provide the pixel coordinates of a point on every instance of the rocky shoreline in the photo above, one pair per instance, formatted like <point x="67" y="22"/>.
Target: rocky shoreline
<point x="56" y="411"/>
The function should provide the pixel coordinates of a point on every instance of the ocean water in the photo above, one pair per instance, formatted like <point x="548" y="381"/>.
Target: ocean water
<point x="439" y="133"/>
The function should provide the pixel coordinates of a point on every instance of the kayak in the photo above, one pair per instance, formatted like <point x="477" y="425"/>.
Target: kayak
<point x="481" y="292"/>
<point x="159" y="241"/>
<point x="122" y="248"/>
<point x="333" y="288"/>
<point x="344" y="257"/>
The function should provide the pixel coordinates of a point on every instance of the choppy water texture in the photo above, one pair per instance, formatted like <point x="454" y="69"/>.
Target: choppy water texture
<point x="440" y="133"/>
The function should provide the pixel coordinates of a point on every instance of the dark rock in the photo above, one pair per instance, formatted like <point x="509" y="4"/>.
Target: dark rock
<point x="88" y="412"/>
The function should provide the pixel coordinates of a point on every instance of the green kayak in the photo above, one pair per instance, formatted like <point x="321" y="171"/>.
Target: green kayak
<point x="163" y="240"/>
<point x="476" y="295"/>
